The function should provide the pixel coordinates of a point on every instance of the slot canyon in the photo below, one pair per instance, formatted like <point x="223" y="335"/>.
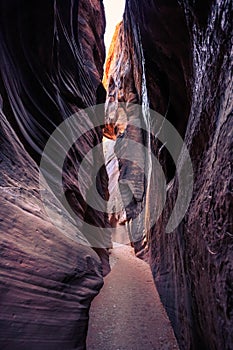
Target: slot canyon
<point x="166" y="78"/>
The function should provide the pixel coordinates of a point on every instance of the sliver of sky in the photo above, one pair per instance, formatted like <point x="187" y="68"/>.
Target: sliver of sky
<point x="114" y="10"/>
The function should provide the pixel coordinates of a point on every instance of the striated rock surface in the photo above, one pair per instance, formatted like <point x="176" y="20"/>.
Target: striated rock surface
<point x="48" y="280"/>
<point x="52" y="54"/>
<point x="177" y="57"/>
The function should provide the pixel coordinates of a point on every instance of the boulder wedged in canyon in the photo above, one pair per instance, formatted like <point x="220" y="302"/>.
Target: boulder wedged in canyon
<point x="175" y="56"/>
<point x="51" y="67"/>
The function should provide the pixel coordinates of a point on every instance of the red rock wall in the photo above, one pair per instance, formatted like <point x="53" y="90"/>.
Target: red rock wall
<point x="187" y="49"/>
<point x="52" y="54"/>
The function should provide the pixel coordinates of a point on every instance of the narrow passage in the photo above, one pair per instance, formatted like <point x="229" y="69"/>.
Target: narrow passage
<point x="128" y="314"/>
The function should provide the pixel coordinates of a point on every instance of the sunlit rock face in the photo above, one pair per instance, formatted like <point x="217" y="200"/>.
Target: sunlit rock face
<point x="51" y="62"/>
<point x="182" y="51"/>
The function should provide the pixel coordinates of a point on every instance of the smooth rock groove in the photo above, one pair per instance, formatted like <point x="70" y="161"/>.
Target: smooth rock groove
<point x="51" y="66"/>
<point x="188" y="65"/>
<point x="128" y="314"/>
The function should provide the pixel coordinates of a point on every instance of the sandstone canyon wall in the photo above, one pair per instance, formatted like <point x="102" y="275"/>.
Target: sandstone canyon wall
<point x="176" y="56"/>
<point x="172" y="56"/>
<point x="52" y="56"/>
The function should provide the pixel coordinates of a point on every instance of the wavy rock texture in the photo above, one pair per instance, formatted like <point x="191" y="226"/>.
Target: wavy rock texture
<point x="182" y="50"/>
<point x="51" y="62"/>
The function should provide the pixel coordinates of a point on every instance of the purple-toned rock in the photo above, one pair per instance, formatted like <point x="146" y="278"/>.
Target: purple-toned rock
<point x="51" y="67"/>
<point x="176" y="55"/>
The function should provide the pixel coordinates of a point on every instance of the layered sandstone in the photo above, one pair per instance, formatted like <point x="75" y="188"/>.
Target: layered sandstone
<point x="52" y="56"/>
<point x="177" y="54"/>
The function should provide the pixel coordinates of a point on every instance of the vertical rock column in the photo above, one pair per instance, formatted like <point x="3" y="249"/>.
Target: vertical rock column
<point x="124" y="121"/>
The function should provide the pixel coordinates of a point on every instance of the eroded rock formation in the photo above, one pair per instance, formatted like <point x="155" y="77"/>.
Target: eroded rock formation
<point x="173" y="56"/>
<point x="52" y="56"/>
<point x="178" y="55"/>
